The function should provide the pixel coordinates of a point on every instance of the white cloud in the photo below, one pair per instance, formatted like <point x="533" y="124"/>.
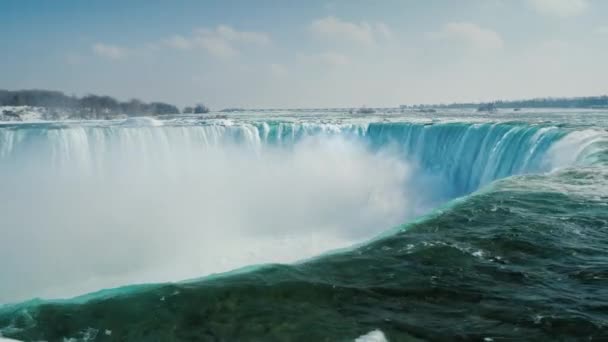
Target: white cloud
<point x="337" y="29"/>
<point x="603" y="30"/>
<point x="217" y="46"/>
<point x="555" y="45"/>
<point x="332" y="59"/>
<point x="278" y="70"/>
<point x="179" y="42"/>
<point x="471" y="35"/>
<point x="223" y="41"/>
<point x="560" y="8"/>
<point x="383" y="30"/>
<point x="109" y="51"/>
<point x="230" y="34"/>
<point x="329" y="58"/>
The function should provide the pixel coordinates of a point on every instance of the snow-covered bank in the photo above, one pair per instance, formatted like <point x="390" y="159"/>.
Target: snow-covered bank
<point x="34" y="114"/>
<point x="28" y="113"/>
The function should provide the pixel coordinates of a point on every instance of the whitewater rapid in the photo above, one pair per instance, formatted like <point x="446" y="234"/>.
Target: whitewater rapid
<point x="97" y="205"/>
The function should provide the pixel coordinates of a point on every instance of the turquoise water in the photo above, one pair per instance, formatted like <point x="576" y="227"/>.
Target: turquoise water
<point x="504" y="236"/>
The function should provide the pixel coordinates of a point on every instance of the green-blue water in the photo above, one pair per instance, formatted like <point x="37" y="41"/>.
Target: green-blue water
<point x="515" y="250"/>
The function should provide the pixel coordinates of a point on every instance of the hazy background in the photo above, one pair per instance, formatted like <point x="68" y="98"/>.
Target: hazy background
<point x="308" y="53"/>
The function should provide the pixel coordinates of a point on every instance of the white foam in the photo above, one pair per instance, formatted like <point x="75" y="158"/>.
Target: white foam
<point x="142" y="121"/>
<point x="372" y="336"/>
<point x="144" y="207"/>
<point x="569" y="150"/>
<point x="5" y="339"/>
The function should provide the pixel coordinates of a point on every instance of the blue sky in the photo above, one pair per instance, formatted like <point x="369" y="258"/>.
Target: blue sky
<point x="328" y="53"/>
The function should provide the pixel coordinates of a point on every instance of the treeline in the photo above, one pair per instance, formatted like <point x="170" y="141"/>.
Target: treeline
<point x="549" y="102"/>
<point x="574" y="102"/>
<point x="90" y="106"/>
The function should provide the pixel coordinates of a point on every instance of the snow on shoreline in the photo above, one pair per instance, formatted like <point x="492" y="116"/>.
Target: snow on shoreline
<point x="40" y="114"/>
<point x="28" y="113"/>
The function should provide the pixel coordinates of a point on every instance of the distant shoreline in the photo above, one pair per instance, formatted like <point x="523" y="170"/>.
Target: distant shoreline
<point x="55" y="105"/>
<point x="34" y="104"/>
<point x="585" y="102"/>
